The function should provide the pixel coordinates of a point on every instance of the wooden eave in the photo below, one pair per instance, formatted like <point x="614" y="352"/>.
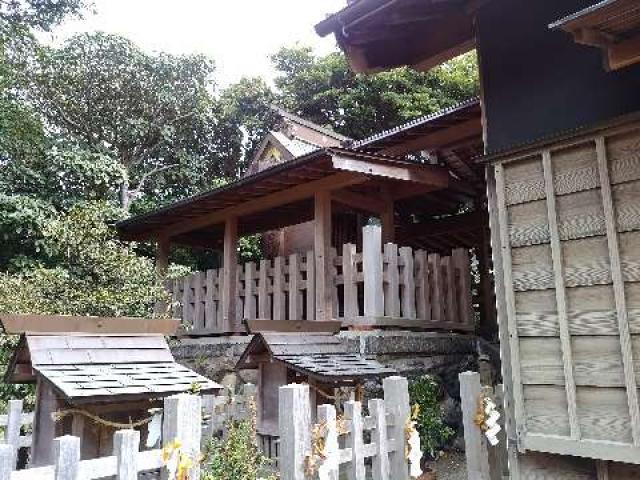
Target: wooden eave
<point x="611" y="25"/>
<point x="278" y="196"/>
<point x="382" y="34"/>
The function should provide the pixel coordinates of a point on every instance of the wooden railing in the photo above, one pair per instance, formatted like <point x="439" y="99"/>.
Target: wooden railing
<point x="384" y="286"/>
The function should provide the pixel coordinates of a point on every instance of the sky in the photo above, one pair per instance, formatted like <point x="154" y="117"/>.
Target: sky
<point x="239" y="34"/>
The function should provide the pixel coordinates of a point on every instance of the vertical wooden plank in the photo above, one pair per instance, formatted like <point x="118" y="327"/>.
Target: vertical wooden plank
<point x="187" y="298"/>
<point x="561" y="299"/>
<point x="7" y="461"/>
<point x="322" y="251"/>
<point x="333" y="284"/>
<point x="198" y="300"/>
<point x="602" y="470"/>
<point x="392" y="285"/>
<point x="354" y="440"/>
<point x="250" y="291"/>
<point x="463" y="275"/>
<point x="350" y="285"/>
<point x="408" y="280"/>
<point x="330" y="466"/>
<point x="209" y="302"/>
<point x="311" y="285"/>
<point x="278" y="289"/>
<point x="509" y="298"/>
<point x="126" y="445"/>
<point x="618" y="289"/>
<point x="14" y="422"/>
<point x="379" y="463"/>
<point x="503" y="321"/>
<point x="436" y="287"/>
<point x="396" y="400"/>
<point x="295" y="300"/>
<point x="66" y="453"/>
<point x="264" y="308"/>
<point x="183" y="422"/>
<point x="423" y="302"/>
<point x="475" y="444"/>
<point x="372" y="271"/>
<point x="229" y="265"/>
<point x="449" y="290"/>
<point x="44" y="427"/>
<point x="387" y="221"/>
<point x="295" y="430"/>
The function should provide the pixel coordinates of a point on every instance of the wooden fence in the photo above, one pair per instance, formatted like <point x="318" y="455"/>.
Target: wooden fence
<point x="12" y="423"/>
<point x="333" y="446"/>
<point x="381" y="285"/>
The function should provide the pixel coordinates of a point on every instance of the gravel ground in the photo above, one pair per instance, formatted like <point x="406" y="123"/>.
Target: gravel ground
<point x="451" y="466"/>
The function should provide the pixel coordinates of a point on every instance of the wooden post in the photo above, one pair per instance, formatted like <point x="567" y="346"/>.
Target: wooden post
<point x="408" y="280"/>
<point x="183" y="422"/>
<point x="474" y="441"/>
<point x="295" y="297"/>
<point x="229" y="264"/>
<point x="396" y="399"/>
<point x="66" y="452"/>
<point x="322" y="252"/>
<point x="294" y="409"/>
<point x="354" y="440"/>
<point x="387" y="221"/>
<point x="351" y="310"/>
<point x="126" y="445"/>
<point x="372" y="271"/>
<point x="14" y="422"/>
<point x="7" y="461"/>
<point x="380" y="462"/>
<point x="44" y="428"/>
<point x="392" y="286"/>
<point x="162" y="264"/>
<point x="330" y="467"/>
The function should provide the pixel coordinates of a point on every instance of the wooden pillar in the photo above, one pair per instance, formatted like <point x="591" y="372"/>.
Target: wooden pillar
<point x="322" y="253"/>
<point x="475" y="444"/>
<point x="229" y="265"/>
<point x="387" y="221"/>
<point x="44" y="427"/>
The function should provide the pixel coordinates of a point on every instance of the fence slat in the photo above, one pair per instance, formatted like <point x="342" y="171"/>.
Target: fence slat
<point x="311" y="285"/>
<point x="183" y="422"/>
<point x="380" y="462"/>
<point x="436" y="287"/>
<point x="351" y="309"/>
<point x="126" y="445"/>
<point x="423" y="302"/>
<point x="474" y="441"/>
<point x="463" y="291"/>
<point x="295" y="430"/>
<point x="278" y="289"/>
<point x="329" y="469"/>
<point x="14" y="422"/>
<point x="396" y="398"/>
<point x="67" y="457"/>
<point x="264" y="308"/>
<point x="295" y="304"/>
<point x="7" y="461"/>
<point x="392" y="286"/>
<point x="354" y="440"/>
<point x="408" y="282"/>
<point x="250" y="291"/>
<point x="372" y="270"/>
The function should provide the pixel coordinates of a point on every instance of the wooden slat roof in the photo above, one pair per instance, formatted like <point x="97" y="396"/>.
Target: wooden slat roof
<point x="614" y="17"/>
<point x="90" y="368"/>
<point x="323" y="357"/>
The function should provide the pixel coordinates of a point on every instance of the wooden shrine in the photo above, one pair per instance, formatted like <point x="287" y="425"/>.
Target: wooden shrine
<point x="322" y="360"/>
<point x="94" y="376"/>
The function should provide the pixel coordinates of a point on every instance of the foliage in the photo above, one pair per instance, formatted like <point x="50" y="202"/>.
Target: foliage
<point x="434" y="433"/>
<point x="326" y="91"/>
<point x="236" y="457"/>
<point x="93" y="273"/>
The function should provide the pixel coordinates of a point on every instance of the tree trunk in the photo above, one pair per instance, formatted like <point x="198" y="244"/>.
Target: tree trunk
<point x="125" y="196"/>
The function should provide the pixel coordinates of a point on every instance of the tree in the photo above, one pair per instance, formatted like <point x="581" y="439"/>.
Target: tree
<point x="325" y="90"/>
<point x="152" y="113"/>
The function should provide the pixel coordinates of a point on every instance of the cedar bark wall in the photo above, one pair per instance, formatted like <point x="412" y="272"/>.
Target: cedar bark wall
<point x="568" y="221"/>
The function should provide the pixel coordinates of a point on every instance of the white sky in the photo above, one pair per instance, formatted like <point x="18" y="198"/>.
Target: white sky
<point x="239" y="34"/>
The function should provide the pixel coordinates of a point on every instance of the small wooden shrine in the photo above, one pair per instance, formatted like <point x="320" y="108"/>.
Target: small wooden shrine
<point x="321" y="359"/>
<point x="94" y="376"/>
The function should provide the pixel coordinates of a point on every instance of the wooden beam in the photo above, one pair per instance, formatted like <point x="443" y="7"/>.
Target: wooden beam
<point x="624" y="53"/>
<point x="432" y="175"/>
<point x="299" y="192"/>
<point x="229" y="268"/>
<point x="288" y="326"/>
<point x="18" y="324"/>
<point x="322" y="253"/>
<point x="466" y="222"/>
<point x="439" y="139"/>
<point x="358" y="201"/>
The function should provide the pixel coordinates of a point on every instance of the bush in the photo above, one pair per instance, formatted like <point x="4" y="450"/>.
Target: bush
<point x="235" y="457"/>
<point x="434" y="433"/>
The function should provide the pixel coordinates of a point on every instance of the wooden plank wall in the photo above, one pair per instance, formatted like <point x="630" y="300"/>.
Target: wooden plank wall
<point x="569" y="225"/>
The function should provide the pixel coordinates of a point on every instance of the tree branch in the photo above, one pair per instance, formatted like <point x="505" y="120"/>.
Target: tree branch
<point x="146" y="176"/>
